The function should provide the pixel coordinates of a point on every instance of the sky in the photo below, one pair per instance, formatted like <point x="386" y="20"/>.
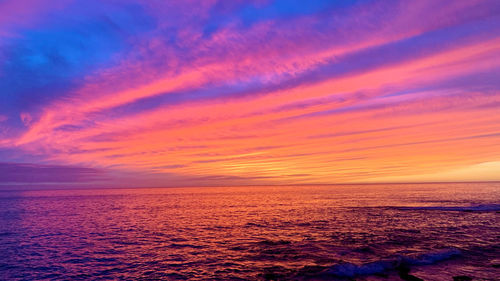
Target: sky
<point x="180" y="93"/>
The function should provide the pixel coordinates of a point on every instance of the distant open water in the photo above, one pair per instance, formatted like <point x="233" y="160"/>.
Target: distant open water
<point x="361" y="232"/>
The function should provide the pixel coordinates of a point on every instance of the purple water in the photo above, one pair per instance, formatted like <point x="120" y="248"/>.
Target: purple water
<point x="361" y="232"/>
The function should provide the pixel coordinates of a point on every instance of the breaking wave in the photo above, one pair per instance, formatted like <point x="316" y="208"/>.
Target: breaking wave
<point x="381" y="266"/>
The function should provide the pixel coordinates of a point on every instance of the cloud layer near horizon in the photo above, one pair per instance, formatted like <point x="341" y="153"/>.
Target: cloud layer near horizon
<point x="250" y="92"/>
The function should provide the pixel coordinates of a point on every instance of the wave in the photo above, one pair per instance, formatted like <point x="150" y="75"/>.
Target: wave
<point x="349" y="270"/>
<point x="179" y="245"/>
<point x="477" y="208"/>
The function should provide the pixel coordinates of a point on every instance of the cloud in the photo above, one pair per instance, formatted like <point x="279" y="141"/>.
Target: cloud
<point x="16" y="173"/>
<point x="26" y="118"/>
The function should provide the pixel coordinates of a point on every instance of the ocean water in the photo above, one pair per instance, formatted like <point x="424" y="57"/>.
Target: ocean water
<point x="351" y="232"/>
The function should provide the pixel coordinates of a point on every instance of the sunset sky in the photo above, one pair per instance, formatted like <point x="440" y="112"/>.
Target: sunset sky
<point x="181" y="93"/>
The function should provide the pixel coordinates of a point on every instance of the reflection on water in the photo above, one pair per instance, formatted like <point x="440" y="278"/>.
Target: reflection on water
<point x="370" y="232"/>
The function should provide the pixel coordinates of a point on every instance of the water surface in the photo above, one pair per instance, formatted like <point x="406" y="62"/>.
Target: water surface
<point x="366" y="232"/>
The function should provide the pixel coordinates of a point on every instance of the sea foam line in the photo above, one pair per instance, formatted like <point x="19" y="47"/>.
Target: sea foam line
<point x="477" y="208"/>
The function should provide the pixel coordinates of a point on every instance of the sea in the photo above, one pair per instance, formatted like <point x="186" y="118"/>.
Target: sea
<point x="337" y="232"/>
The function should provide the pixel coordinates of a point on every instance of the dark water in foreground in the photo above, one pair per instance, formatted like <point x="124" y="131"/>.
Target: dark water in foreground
<point x="303" y="233"/>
